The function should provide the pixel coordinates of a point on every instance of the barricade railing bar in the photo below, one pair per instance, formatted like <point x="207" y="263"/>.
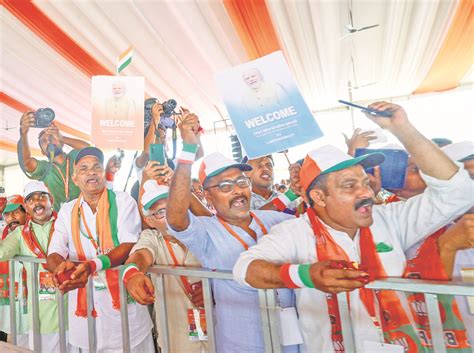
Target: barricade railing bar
<point x="267" y="298"/>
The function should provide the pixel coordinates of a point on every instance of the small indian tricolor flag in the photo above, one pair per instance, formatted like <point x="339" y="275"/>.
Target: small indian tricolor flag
<point x="124" y="59"/>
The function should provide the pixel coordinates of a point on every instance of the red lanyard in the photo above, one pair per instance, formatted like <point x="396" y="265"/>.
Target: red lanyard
<point x="89" y="234"/>
<point x="184" y="280"/>
<point x="65" y="179"/>
<point x="236" y="236"/>
<point x="32" y="242"/>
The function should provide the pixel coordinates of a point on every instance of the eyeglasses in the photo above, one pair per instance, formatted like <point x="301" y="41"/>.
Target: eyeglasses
<point x="161" y="213"/>
<point x="228" y="185"/>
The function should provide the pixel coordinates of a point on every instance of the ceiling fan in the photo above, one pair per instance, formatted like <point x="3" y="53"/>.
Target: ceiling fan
<point x="350" y="26"/>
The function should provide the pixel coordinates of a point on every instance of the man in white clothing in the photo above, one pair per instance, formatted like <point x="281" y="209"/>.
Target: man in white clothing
<point x="92" y="234"/>
<point x="342" y="226"/>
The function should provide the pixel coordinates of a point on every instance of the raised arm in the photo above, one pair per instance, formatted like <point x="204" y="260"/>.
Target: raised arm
<point x="27" y="121"/>
<point x="431" y="160"/>
<point x="180" y="191"/>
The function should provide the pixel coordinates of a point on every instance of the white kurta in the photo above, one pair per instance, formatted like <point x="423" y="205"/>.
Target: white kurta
<point x="109" y="334"/>
<point x="400" y="224"/>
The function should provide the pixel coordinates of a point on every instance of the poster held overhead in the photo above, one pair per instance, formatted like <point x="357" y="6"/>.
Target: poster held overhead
<point x="265" y="106"/>
<point x="117" y="112"/>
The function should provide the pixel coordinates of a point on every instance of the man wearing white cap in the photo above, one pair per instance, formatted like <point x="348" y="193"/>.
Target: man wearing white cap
<point x="183" y="294"/>
<point x="32" y="239"/>
<point x="217" y="241"/>
<point x="316" y="252"/>
<point x="92" y="234"/>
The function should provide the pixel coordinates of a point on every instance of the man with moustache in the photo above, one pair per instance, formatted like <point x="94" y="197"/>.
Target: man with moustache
<point x="316" y="252"/>
<point x="183" y="294"/>
<point x="14" y="215"/>
<point x="94" y="233"/>
<point x="217" y="241"/>
<point x="32" y="239"/>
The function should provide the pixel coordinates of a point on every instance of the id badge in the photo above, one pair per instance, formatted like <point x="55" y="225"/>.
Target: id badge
<point x="98" y="283"/>
<point x="197" y="328"/>
<point x="377" y="347"/>
<point x="290" y="332"/>
<point x="47" y="289"/>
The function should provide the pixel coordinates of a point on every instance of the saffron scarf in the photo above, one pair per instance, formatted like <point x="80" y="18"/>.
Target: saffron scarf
<point x="393" y="321"/>
<point x="32" y="242"/>
<point x="427" y="265"/>
<point x="107" y="233"/>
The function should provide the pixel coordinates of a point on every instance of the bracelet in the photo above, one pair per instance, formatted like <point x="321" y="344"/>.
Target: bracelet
<point x="109" y="176"/>
<point x="129" y="271"/>
<point x="282" y="201"/>
<point x="188" y="154"/>
<point x="101" y="262"/>
<point x="296" y="276"/>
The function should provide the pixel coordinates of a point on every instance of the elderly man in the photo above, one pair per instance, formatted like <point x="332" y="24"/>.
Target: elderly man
<point x="92" y="234"/>
<point x="32" y="240"/>
<point x="262" y="95"/>
<point x="217" y="241"/>
<point x="341" y="227"/>
<point x="14" y="215"/>
<point x="183" y="294"/>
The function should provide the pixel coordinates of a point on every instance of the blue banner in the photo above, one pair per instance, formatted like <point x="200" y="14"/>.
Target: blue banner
<point x="265" y="106"/>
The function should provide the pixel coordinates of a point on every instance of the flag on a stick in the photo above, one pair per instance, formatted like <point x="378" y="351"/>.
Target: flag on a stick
<point x="124" y="59"/>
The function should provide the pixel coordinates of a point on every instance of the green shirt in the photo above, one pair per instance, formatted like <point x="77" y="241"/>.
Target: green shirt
<point x="53" y="179"/>
<point x="15" y="245"/>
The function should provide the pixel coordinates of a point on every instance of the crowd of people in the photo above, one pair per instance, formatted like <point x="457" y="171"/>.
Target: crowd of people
<point x="329" y="228"/>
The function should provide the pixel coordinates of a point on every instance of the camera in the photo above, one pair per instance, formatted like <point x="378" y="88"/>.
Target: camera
<point x="167" y="121"/>
<point x="44" y="117"/>
<point x="166" y="117"/>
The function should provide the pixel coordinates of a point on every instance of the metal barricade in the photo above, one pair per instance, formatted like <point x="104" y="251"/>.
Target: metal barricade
<point x="267" y="299"/>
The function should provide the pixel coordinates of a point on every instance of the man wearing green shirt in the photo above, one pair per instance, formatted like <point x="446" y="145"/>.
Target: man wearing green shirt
<point x="57" y="170"/>
<point x="14" y="215"/>
<point x="33" y="239"/>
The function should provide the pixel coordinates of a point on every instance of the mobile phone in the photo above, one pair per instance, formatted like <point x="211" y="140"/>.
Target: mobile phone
<point x="385" y="114"/>
<point x="157" y="153"/>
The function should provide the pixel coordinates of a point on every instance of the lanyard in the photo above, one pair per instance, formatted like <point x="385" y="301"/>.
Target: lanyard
<point x="89" y="234"/>
<point x="32" y="241"/>
<point x="184" y="280"/>
<point x="64" y="179"/>
<point x="236" y="236"/>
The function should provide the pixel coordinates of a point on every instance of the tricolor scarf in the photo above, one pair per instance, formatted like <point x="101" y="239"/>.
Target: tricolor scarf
<point x="420" y="267"/>
<point x="5" y="278"/>
<point x="106" y="230"/>
<point x="393" y="320"/>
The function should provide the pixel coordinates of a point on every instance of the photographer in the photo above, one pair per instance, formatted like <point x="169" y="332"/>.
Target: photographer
<point x="57" y="170"/>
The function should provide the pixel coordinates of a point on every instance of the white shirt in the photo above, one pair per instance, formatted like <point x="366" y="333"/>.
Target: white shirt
<point x="399" y="224"/>
<point x="109" y="334"/>
<point x="177" y="303"/>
